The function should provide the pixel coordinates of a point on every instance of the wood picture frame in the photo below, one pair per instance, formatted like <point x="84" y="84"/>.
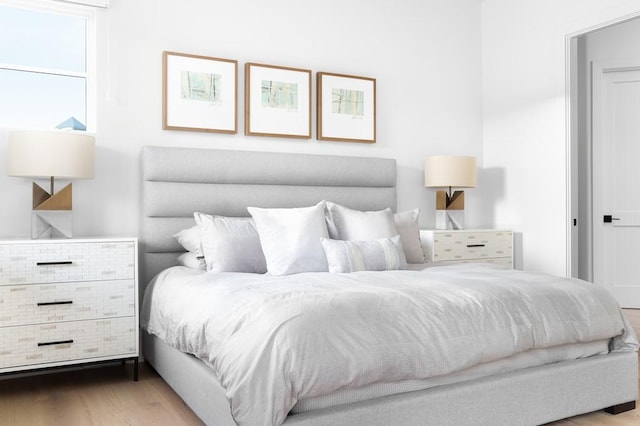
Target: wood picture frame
<point x="199" y="93"/>
<point x="277" y="101"/>
<point x="346" y="108"/>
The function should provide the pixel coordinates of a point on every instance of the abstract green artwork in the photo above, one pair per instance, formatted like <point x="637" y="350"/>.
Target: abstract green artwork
<point x="279" y="94"/>
<point x="348" y="102"/>
<point x="201" y="86"/>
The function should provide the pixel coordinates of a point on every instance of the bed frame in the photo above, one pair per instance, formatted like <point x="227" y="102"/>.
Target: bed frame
<point x="179" y="181"/>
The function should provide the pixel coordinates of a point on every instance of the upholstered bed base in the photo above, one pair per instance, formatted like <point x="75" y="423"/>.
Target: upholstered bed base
<point x="527" y="397"/>
<point x="177" y="182"/>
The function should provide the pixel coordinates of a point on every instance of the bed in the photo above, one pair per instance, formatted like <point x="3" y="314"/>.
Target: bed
<point x="179" y="181"/>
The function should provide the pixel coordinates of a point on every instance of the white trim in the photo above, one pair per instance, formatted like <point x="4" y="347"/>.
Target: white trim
<point x="571" y="59"/>
<point x="51" y="71"/>
<point x="91" y="70"/>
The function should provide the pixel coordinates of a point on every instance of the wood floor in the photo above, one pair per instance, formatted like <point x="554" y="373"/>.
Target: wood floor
<point x="108" y="396"/>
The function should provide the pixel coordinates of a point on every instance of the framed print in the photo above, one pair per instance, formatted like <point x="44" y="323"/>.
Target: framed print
<point x="346" y="108"/>
<point x="200" y="93"/>
<point x="277" y="101"/>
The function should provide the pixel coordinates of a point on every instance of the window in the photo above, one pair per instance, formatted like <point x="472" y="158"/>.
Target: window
<point x="46" y="65"/>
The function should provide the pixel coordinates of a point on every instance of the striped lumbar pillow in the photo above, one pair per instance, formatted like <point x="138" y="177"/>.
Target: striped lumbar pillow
<point x="375" y="255"/>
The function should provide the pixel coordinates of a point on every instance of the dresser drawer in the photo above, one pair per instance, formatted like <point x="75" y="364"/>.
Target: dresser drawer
<point x="471" y="245"/>
<point x="34" y="263"/>
<point x="41" y="344"/>
<point x="47" y="303"/>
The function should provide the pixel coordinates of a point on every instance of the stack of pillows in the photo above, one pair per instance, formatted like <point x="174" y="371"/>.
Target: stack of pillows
<point x="320" y="238"/>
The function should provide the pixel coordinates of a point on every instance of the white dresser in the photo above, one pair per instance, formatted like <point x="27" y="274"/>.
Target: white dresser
<point x="65" y="302"/>
<point x="486" y="245"/>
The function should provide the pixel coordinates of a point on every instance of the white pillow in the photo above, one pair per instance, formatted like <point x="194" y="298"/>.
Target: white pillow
<point x="190" y="239"/>
<point x="231" y="244"/>
<point x="409" y="230"/>
<point x="347" y="224"/>
<point x="374" y="255"/>
<point x="192" y="260"/>
<point x="291" y="238"/>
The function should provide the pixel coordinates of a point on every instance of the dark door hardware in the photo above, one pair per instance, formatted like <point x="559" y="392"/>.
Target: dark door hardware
<point x="608" y="218"/>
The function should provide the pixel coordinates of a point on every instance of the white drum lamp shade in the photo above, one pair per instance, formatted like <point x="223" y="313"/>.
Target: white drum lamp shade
<point x="48" y="154"/>
<point x="51" y="154"/>
<point x="447" y="172"/>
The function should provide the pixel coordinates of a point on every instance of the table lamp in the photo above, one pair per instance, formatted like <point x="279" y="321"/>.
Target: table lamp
<point x="447" y="172"/>
<point x="51" y="154"/>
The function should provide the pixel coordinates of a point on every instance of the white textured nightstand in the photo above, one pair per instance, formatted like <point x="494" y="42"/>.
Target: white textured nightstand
<point x="490" y="246"/>
<point x="65" y="302"/>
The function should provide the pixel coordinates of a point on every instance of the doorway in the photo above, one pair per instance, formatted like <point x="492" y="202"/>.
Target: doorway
<point x="594" y="58"/>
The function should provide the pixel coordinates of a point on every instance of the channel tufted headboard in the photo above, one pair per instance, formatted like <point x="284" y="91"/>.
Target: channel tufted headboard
<point x="178" y="181"/>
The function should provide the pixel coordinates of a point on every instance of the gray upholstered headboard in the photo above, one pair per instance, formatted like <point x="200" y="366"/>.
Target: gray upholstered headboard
<point x="179" y="181"/>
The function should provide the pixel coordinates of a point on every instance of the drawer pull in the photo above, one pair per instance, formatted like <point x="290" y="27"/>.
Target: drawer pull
<point x="63" y="302"/>
<point x="58" y="342"/>
<point x="63" y="262"/>
<point x="475" y="245"/>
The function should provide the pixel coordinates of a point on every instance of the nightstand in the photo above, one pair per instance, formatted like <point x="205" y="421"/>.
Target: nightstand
<point x="67" y="302"/>
<point x="488" y="246"/>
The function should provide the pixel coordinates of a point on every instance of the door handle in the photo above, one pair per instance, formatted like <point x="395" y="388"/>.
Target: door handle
<point x="608" y="218"/>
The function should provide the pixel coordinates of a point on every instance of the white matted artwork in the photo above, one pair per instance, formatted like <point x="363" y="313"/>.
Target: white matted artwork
<point x="277" y="101"/>
<point x="346" y="108"/>
<point x="200" y="93"/>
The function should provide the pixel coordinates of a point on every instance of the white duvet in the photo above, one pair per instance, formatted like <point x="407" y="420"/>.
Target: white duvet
<point x="275" y="340"/>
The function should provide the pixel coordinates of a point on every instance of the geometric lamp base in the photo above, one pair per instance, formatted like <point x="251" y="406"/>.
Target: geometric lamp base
<point x="449" y="209"/>
<point x="51" y="223"/>
<point x="449" y="219"/>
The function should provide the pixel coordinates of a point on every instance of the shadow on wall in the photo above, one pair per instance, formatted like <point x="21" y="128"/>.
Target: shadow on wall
<point x="481" y="201"/>
<point x="491" y="189"/>
<point x="109" y="204"/>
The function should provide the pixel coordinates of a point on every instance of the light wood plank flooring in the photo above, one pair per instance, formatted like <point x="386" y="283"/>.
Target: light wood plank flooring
<point x="108" y="396"/>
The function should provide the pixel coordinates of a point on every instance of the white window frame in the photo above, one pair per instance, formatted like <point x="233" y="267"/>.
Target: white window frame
<point x="74" y="9"/>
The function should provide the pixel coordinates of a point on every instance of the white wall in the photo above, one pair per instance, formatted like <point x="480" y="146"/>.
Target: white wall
<point x="525" y="127"/>
<point x="426" y="57"/>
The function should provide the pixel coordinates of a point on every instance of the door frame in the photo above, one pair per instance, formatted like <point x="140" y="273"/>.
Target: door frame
<point x="582" y="234"/>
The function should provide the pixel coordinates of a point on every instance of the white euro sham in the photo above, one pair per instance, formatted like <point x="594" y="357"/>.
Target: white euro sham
<point x="231" y="244"/>
<point x="290" y="238"/>
<point x="344" y="223"/>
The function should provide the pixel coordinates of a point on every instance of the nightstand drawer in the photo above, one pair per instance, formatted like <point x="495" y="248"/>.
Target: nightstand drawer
<point x="47" y="343"/>
<point x="47" y="303"/>
<point x="471" y="245"/>
<point x="34" y="263"/>
<point x="487" y="246"/>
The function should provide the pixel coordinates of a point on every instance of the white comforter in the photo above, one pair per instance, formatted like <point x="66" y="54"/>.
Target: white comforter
<point x="274" y="340"/>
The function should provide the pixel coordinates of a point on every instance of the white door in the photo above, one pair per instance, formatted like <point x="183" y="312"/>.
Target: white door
<point x="616" y="179"/>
